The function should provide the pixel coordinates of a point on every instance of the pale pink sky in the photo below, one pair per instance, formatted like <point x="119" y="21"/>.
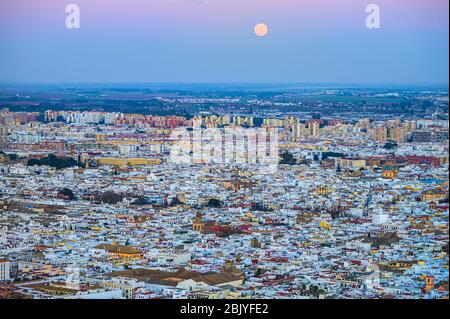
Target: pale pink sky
<point x="214" y="40"/>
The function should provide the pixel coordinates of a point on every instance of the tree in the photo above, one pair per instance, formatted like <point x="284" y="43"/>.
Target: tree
<point x="13" y="157"/>
<point x="390" y="145"/>
<point x="33" y="162"/>
<point x="141" y="201"/>
<point x="67" y="192"/>
<point x="54" y="161"/>
<point x="303" y="288"/>
<point x="41" y="117"/>
<point x="176" y="201"/>
<point x="287" y="158"/>
<point x="332" y="154"/>
<point x="314" y="291"/>
<point x="110" y="197"/>
<point x="214" y="202"/>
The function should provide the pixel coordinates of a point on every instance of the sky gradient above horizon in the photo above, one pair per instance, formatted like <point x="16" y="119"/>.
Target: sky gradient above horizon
<point x="312" y="41"/>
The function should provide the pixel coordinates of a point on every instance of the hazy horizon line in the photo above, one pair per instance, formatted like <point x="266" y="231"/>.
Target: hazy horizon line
<point x="230" y="83"/>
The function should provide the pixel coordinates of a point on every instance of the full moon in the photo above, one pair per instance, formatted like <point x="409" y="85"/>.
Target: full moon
<point x="261" y="30"/>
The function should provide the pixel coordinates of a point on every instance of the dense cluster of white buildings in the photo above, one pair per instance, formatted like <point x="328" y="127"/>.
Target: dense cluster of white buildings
<point x="350" y="218"/>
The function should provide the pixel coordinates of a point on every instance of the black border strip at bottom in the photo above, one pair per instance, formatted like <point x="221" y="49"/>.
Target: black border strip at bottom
<point x="218" y="308"/>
